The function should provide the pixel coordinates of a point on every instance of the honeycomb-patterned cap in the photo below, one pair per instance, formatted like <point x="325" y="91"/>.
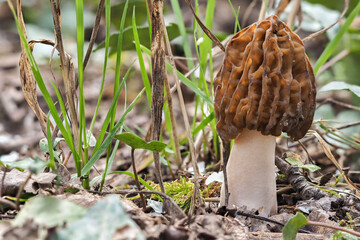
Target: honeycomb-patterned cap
<point x="265" y="83"/>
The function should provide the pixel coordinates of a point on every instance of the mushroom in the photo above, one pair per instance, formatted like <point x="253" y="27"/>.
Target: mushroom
<point x="264" y="87"/>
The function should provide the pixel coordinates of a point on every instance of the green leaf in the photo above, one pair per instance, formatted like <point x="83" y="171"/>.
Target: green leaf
<point x="296" y="162"/>
<point x="49" y="212"/>
<point x="44" y="144"/>
<point x="110" y="137"/>
<point x="121" y="7"/>
<point x="342" y="236"/>
<point x="311" y="167"/>
<point x="138" y="143"/>
<point x="293" y="161"/>
<point x="35" y="165"/>
<point x="337" y="85"/>
<point x="144" y="74"/>
<point x="143" y="32"/>
<point x="293" y="225"/>
<point x="184" y="80"/>
<point x="101" y="222"/>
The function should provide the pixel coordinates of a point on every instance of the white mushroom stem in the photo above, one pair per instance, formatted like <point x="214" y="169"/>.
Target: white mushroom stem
<point x="250" y="173"/>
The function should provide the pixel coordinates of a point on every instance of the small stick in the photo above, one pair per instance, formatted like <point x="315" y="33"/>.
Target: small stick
<point x="321" y="224"/>
<point x="21" y="189"/>
<point x="297" y="180"/>
<point x="224" y="156"/>
<point x="247" y="12"/>
<point x="314" y="35"/>
<point x="143" y="202"/>
<point x="173" y="123"/>
<point x="265" y="220"/>
<point x="333" y="60"/>
<point x="94" y="32"/>
<point x="8" y="203"/>
<point x="205" y="29"/>
<point x="293" y="12"/>
<point x="263" y="10"/>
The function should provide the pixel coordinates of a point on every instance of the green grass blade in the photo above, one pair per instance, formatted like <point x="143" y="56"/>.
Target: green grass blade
<point x="330" y="48"/>
<point x="106" y="57"/>
<point x="180" y="23"/>
<point x="110" y="137"/>
<point x="79" y="4"/>
<point x="109" y="163"/>
<point x="236" y="15"/>
<point x="42" y="87"/>
<point x="118" y="59"/>
<point x="63" y="110"/>
<point x="111" y="109"/>
<point x="141" y="60"/>
<point x="184" y="80"/>
<point x="50" y="144"/>
<point x="130" y="174"/>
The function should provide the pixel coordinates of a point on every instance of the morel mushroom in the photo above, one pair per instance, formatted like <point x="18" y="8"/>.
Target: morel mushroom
<point x="265" y="86"/>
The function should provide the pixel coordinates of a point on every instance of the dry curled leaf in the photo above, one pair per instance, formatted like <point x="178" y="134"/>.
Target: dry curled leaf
<point x="28" y="84"/>
<point x="266" y="83"/>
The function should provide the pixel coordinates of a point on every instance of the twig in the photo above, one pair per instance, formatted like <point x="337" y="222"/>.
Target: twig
<point x="8" y="203"/>
<point x="205" y="29"/>
<point x="314" y="35"/>
<point x="297" y="180"/>
<point x="334" y="60"/>
<point x="328" y="153"/>
<point x="263" y="10"/>
<point x="247" y="12"/>
<point x="2" y="216"/>
<point x="94" y="32"/>
<point x="21" y="189"/>
<point x="173" y="123"/>
<point x="293" y="12"/>
<point x="300" y="18"/>
<point x="281" y="7"/>
<point x="158" y="69"/>
<point x="349" y="125"/>
<point x="265" y="219"/>
<point x="143" y="202"/>
<point x="306" y="151"/>
<point x="320" y="224"/>
<point x="224" y="155"/>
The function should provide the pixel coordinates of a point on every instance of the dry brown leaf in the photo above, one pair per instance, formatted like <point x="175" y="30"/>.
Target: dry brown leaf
<point x="328" y="153"/>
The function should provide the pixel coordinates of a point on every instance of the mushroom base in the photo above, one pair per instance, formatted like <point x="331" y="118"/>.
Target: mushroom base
<point x="251" y="173"/>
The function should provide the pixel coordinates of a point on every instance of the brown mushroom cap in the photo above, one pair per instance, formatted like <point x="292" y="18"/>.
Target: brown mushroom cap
<point x="266" y="83"/>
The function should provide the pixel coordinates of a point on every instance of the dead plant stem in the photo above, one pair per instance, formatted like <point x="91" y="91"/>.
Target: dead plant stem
<point x="263" y="10"/>
<point x="173" y="123"/>
<point x="316" y="34"/>
<point x="185" y="118"/>
<point x="68" y="72"/>
<point x="21" y="189"/>
<point x="158" y="69"/>
<point x="293" y="12"/>
<point x="320" y="224"/>
<point x="143" y="202"/>
<point x="94" y="32"/>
